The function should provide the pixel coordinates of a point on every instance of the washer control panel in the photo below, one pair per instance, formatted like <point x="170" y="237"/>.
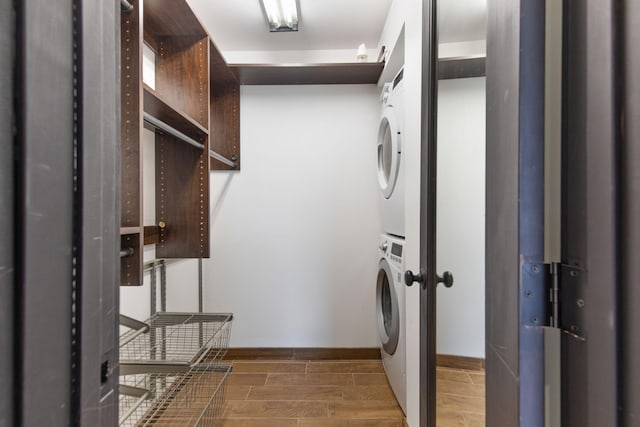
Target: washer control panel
<point x="392" y="249"/>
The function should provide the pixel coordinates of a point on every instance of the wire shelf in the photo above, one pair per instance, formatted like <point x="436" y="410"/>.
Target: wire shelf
<point x="150" y="394"/>
<point x="178" y="337"/>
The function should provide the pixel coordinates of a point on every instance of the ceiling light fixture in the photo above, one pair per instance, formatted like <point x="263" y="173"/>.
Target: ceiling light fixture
<point x="281" y="14"/>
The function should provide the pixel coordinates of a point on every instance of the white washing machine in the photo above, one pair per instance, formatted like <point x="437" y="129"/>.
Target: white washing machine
<point x="390" y="314"/>
<point x="390" y="158"/>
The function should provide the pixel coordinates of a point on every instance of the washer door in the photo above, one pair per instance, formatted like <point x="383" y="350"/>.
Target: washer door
<point x="387" y="311"/>
<point x="389" y="150"/>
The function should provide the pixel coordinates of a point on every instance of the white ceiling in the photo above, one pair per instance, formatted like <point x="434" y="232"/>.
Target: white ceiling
<point x="327" y="24"/>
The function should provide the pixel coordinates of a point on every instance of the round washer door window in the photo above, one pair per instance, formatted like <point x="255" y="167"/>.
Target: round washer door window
<point x="389" y="150"/>
<point x="387" y="309"/>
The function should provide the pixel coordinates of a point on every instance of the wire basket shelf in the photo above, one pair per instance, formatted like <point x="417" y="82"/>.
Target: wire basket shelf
<point x="192" y="396"/>
<point x="170" y="369"/>
<point x="179" y="337"/>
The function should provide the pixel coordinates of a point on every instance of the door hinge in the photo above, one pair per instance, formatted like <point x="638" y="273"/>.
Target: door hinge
<point x="566" y="302"/>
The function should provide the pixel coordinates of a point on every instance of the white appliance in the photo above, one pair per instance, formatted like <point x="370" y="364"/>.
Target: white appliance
<point x="390" y="314"/>
<point x="390" y="158"/>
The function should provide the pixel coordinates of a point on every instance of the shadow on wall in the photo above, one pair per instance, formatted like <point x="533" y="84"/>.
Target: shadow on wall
<point x="217" y="203"/>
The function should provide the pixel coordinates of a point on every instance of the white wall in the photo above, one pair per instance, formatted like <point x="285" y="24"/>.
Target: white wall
<point x="461" y="216"/>
<point x="295" y="232"/>
<point x="297" y="56"/>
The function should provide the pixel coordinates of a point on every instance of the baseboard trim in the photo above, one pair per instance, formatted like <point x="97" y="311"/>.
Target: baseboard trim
<point x="459" y="362"/>
<point x="314" y="353"/>
<point x="303" y="353"/>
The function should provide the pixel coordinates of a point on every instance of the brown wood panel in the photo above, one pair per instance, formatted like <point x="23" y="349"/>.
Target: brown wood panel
<point x="151" y="234"/>
<point x="131" y="117"/>
<point x="159" y="108"/>
<point x="171" y="18"/>
<point x="293" y="353"/>
<point x="300" y="74"/>
<point x="461" y="68"/>
<point x="459" y="362"/>
<point x="220" y="73"/>
<point x="182" y="75"/>
<point x="129" y="230"/>
<point x="225" y="124"/>
<point x="182" y="198"/>
<point x="131" y="266"/>
<point x="130" y="148"/>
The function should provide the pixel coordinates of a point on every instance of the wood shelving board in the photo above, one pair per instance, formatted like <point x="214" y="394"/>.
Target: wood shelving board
<point x="219" y="72"/>
<point x="461" y="68"/>
<point x="305" y="74"/>
<point x="130" y="230"/>
<point x="158" y="107"/>
<point x="170" y="18"/>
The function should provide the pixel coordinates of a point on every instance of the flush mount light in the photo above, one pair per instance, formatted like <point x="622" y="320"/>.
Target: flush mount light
<point x="281" y="14"/>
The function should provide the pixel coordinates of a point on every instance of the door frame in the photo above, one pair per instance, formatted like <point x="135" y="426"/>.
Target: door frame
<point x="428" y="197"/>
<point x="66" y="214"/>
<point x="7" y="264"/>
<point x="629" y="229"/>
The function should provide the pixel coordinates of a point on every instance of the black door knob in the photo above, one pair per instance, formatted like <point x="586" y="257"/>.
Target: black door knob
<point x="446" y="279"/>
<point x="410" y="278"/>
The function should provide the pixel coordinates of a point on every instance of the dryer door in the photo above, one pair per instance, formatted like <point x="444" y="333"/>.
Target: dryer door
<point x="387" y="310"/>
<point x="389" y="150"/>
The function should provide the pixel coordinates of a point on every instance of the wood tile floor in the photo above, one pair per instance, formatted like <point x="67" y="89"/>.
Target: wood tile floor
<point x="339" y="393"/>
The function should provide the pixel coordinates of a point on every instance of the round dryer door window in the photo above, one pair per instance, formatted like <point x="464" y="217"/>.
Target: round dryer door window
<point x="389" y="151"/>
<point x="387" y="309"/>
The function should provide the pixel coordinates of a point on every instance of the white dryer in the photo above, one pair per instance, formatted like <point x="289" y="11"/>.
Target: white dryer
<point x="390" y="158"/>
<point x="390" y="314"/>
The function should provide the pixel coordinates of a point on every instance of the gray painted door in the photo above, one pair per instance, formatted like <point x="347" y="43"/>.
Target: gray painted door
<point x="589" y="272"/>
<point x="515" y="294"/>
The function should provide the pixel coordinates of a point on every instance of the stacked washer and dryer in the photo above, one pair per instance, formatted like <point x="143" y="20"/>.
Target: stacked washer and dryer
<point x="390" y="291"/>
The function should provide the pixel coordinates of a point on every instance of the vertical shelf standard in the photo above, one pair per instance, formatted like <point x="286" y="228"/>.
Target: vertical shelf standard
<point x="131" y="153"/>
<point x="225" y="112"/>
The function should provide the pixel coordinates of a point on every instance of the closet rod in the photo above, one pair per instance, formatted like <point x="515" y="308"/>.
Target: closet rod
<point x="222" y="158"/>
<point x="127" y="252"/>
<point x="159" y="124"/>
<point x="125" y="6"/>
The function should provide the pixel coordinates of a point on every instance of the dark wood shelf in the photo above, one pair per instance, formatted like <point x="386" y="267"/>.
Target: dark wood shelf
<point x="461" y="68"/>
<point x="129" y="230"/>
<point x="158" y="107"/>
<point x="224" y="136"/>
<point x="219" y="72"/>
<point x="151" y="234"/>
<point x="170" y="18"/>
<point x="308" y="74"/>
